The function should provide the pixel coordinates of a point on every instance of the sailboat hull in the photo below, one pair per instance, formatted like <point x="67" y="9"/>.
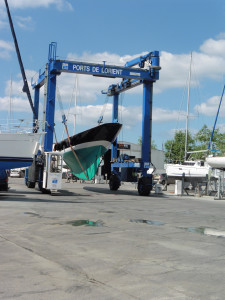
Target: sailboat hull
<point x="217" y="162"/>
<point x="18" y="149"/>
<point x="89" y="154"/>
<point x="193" y="172"/>
<point x="89" y="146"/>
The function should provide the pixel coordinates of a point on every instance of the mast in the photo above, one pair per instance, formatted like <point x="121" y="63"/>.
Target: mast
<point x="210" y="141"/>
<point x="25" y="87"/>
<point x="10" y="104"/>
<point x="187" y="116"/>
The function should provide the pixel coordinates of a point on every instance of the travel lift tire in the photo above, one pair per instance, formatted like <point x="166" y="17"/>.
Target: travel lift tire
<point x="144" y="186"/>
<point x="31" y="185"/>
<point x="114" y="182"/>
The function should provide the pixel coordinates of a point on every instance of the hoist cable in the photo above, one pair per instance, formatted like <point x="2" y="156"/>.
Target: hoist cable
<point x="103" y="109"/>
<point x="65" y="126"/>
<point x="74" y="153"/>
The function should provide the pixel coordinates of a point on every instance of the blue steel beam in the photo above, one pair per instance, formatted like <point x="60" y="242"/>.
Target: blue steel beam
<point x="100" y="70"/>
<point x="146" y="126"/>
<point x="125" y="85"/>
<point x="36" y="107"/>
<point x="50" y="112"/>
<point x="140" y="61"/>
<point x="103" y="70"/>
<point x="115" y="120"/>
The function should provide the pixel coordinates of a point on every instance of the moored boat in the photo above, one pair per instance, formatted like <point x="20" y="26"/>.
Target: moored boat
<point x="18" y="149"/>
<point x="83" y="152"/>
<point x="193" y="171"/>
<point x="216" y="162"/>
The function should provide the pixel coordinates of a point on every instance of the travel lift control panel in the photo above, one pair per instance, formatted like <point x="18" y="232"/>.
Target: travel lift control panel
<point x="52" y="173"/>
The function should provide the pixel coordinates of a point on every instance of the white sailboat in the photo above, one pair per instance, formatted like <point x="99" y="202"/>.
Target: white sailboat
<point x="216" y="162"/>
<point x="18" y="145"/>
<point x="194" y="171"/>
<point x="18" y="149"/>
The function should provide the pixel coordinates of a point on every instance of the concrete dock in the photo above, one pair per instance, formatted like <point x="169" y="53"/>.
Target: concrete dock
<point x="88" y="242"/>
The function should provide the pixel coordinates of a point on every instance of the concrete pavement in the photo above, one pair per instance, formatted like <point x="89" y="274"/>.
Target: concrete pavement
<point x="154" y="247"/>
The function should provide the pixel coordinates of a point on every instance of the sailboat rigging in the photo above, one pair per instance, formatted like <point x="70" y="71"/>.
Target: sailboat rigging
<point x="217" y="162"/>
<point x="187" y="116"/>
<point x="18" y="147"/>
<point x="194" y="171"/>
<point x="25" y="87"/>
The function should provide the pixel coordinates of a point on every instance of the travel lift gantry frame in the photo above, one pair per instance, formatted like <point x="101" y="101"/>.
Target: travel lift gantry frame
<point x="131" y="77"/>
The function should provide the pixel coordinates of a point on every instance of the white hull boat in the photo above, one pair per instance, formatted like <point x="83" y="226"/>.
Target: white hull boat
<point x="216" y="162"/>
<point x="18" y="149"/>
<point x="193" y="171"/>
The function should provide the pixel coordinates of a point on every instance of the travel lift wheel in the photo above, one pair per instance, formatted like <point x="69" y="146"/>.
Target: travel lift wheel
<point x="144" y="186"/>
<point x="30" y="185"/>
<point x="114" y="182"/>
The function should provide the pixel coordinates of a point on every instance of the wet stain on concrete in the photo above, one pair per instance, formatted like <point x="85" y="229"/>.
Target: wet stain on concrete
<point x="98" y="223"/>
<point x="200" y="230"/>
<point x="149" y="222"/>
<point x="206" y="231"/>
<point x="32" y="214"/>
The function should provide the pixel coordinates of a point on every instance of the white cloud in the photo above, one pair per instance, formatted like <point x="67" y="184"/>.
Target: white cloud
<point x="210" y="107"/>
<point x="89" y="114"/>
<point x="15" y="87"/>
<point x="174" y="74"/>
<point x="60" y="4"/>
<point x="19" y="104"/>
<point x="6" y="45"/>
<point x="5" y="49"/>
<point x="214" y="47"/>
<point x="128" y="116"/>
<point x="165" y="115"/>
<point x="221" y="35"/>
<point x="3" y="23"/>
<point x="209" y="62"/>
<point x="25" y="22"/>
<point x="109" y="58"/>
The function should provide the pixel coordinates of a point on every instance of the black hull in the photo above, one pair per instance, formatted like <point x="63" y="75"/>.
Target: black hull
<point x="107" y="132"/>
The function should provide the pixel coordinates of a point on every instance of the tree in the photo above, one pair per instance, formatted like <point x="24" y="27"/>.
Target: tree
<point x="153" y="145"/>
<point x="202" y="138"/>
<point x="175" y="148"/>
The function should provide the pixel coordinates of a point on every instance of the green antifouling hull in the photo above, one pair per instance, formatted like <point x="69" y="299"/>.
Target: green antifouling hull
<point x="89" y="159"/>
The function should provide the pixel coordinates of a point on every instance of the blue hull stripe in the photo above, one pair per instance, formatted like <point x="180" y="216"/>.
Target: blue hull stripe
<point x="7" y="163"/>
<point x="19" y="159"/>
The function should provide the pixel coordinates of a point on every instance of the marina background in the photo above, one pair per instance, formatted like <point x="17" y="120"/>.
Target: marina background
<point x="116" y="32"/>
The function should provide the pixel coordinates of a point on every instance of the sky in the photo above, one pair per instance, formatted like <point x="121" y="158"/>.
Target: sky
<point x="116" y="32"/>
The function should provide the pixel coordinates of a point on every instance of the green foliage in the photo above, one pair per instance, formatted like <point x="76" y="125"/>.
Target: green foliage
<point x="174" y="149"/>
<point x="218" y="141"/>
<point x="153" y="143"/>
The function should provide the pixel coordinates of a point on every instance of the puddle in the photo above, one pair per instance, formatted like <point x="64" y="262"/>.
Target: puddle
<point x="31" y="214"/>
<point x="98" y="223"/>
<point x="200" y="230"/>
<point x="206" y="231"/>
<point x="149" y="222"/>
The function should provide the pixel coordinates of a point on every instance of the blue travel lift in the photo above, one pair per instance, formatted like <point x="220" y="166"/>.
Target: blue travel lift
<point x="131" y="77"/>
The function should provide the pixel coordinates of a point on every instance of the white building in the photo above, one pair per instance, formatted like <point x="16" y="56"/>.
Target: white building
<point x="157" y="156"/>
